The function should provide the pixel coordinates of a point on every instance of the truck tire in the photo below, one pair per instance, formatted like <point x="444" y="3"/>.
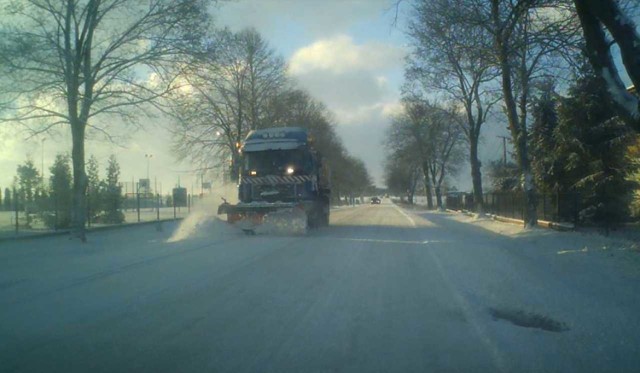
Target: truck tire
<point x="324" y="219"/>
<point x="325" y="209"/>
<point x="312" y="219"/>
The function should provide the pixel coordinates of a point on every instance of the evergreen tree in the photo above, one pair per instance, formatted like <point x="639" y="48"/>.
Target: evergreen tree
<point x="94" y="197"/>
<point x="547" y="165"/>
<point x="28" y="180"/>
<point x="42" y="200"/>
<point x="591" y="142"/>
<point x="7" y="199"/>
<point x="61" y="192"/>
<point x="112" y="197"/>
<point x="504" y="178"/>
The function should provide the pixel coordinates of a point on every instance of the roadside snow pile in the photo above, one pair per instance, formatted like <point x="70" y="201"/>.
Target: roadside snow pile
<point x="489" y="224"/>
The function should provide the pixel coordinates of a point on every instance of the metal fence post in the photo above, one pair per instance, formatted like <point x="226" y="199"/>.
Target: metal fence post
<point x="55" y="212"/>
<point x="88" y="211"/>
<point x="575" y="210"/>
<point x="558" y="205"/>
<point x="15" y="206"/>
<point x="138" y="204"/>
<point x="493" y="203"/>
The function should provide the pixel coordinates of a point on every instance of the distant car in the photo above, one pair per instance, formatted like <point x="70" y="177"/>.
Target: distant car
<point x="375" y="201"/>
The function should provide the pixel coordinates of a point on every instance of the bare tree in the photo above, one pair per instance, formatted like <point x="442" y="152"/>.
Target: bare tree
<point x="74" y="62"/>
<point x="426" y="135"/>
<point x="526" y="36"/>
<point x="451" y="57"/>
<point x="295" y="107"/>
<point x="402" y="175"/>
<point x="445" y="155"/>
<point x="230" y="90"/>
<point x="417" y="127"/>
<point x="596" y="16"/>
<point x="407" y="140"/>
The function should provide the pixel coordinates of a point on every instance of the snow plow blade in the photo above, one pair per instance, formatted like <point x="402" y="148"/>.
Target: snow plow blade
<point x="254" y="208"/>
<point x="276" y="217"/>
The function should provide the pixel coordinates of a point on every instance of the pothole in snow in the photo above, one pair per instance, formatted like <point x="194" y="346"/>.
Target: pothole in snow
<point x="529" y="320"/>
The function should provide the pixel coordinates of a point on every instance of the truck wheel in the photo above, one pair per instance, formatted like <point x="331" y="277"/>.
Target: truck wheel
<point x="324" y="219"/>
<point x="312" y="220"/>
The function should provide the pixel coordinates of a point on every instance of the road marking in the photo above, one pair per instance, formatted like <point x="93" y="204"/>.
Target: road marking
<point x="584" y="250"/>
<point x="390" y="241"/>
<point x="413" y="223"/>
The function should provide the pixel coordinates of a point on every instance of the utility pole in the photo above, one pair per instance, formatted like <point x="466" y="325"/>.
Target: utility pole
<point x="148" y="157"/>
<point x="504" y="150"/>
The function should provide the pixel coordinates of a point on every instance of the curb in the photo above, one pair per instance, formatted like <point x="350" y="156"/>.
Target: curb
<point x="563" y="227"/>
<point x="88" y="230"/>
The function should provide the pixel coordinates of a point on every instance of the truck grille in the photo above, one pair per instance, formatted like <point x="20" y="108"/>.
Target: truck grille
<point x="277" y="188"/>
<point x="278" y="192"/>
<point x="271" y="180"/>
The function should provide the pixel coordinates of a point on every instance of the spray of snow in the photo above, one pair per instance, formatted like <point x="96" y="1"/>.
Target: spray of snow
<point x="203" y="220"/>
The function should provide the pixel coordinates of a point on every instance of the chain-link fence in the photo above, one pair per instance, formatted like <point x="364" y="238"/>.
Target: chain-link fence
<point x="123" y="205"/>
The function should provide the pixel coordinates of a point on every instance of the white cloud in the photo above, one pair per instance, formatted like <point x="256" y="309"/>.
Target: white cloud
<point x="351" y="79"/>
<point x="340" y="54"/>
<point x="358" y="83"/>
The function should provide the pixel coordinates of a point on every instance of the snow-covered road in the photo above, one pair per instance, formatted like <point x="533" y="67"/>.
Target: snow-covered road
<point x="381" y="290"/>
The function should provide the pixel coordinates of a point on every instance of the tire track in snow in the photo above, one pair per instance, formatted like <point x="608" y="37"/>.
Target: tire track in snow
<point x="480" y="330"/>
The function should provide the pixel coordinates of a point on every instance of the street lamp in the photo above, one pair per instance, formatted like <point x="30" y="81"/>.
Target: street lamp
<point x="148" y="157"/>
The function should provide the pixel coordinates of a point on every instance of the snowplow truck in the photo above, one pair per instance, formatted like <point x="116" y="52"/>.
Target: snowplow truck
<point x="281" y="174"/>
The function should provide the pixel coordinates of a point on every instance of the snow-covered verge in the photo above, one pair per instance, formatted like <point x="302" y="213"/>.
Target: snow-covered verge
<point x="585" y="245"/>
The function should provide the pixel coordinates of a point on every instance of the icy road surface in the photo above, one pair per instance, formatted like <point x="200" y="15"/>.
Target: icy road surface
<point x="381" y="290"/>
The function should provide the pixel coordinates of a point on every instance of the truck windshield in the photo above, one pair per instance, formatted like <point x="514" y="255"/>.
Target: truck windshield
<point x="276" y="162"/>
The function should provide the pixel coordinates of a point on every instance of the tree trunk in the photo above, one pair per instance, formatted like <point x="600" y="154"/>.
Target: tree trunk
<point x="591" y="15"/>
<point x="439" y="197"/>
<point x="476" y="176"/>
<point x="427" y="186"/>
<point x="79" y="209"/>
<point x="518" y="131"/>
<point x="235" y="167"/>
<point x="623" y="30"/>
